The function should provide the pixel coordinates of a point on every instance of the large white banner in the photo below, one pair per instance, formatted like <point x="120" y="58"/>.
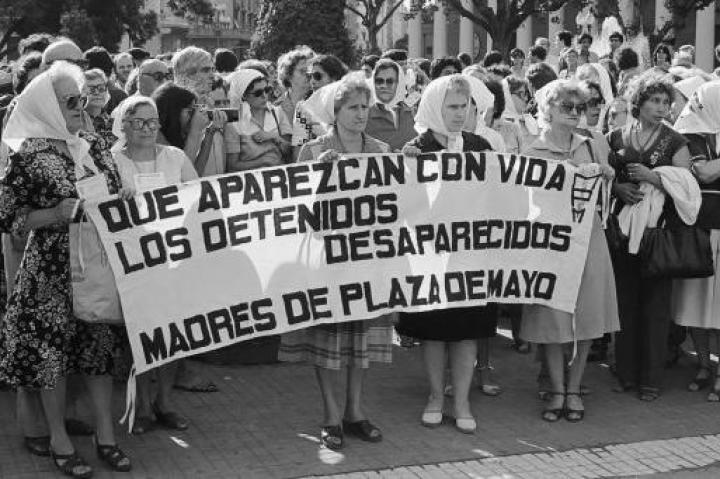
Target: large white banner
<point x="234" y="257"/>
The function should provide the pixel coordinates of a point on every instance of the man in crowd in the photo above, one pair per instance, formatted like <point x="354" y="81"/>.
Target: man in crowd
<point x="616" y="41"/>
<point x="152" y="73"/>
<point x="98" y="57"/>
<point x="123" y="67"/>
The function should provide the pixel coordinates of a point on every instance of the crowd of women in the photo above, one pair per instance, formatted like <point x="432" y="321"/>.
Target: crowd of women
<point x="80" y="116"/>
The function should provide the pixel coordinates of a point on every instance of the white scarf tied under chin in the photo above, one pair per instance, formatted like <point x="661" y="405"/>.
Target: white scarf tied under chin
<point x="121" y="112"/>
<point x="701" y="114"/>
<point x="400" y="92"/>
<point x="37" y="115"/>
<point x="429" y="114"/>
<point x="511" y="113"/>
<point x="321" y="104"/>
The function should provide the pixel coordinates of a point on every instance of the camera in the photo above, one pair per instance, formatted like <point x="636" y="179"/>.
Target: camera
<point x="232" y="114"/>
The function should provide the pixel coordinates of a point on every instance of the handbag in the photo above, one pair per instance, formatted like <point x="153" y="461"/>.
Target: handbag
<point x="95" y="294"/>
<point x="676" y="251"/>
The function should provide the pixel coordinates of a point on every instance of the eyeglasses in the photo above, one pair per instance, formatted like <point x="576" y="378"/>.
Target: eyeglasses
<point x="384" y="81"/>
<point x="73" y="102"/>
<point x="138" y="123"/>
<point x="263" y="91"/>
<point x="159" y="76"/>
<point x="203" y="70"/>
<point x="566" y="108"/>
<point x="317" y="76"/>
<point x="595" y="102"/>
<point x="96" y="89"/>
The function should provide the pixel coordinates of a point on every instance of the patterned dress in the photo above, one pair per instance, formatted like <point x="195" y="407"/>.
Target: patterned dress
<point x="41" y="341"/>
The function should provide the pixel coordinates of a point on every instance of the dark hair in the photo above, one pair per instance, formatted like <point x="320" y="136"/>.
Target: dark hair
<point x="591" y="85"/>
<point x="538" y="52"/>
<point x="643" y="90"/>
<point x="492" y="57"/>
<point x="497" y="90"/>
<point x="618" y="36"/>
<point x="662" y="48"/>
<point x="253" y="64"/>
<point x="539" y="75"/>
<point x="139" y="54"/>
<point x="437" y="66"/>
<point x="332" y="65"/>
<point x="395" y="54"/>
<point x="386" y="64"/>
<point x="565" y="37"/>
<point x="23" y="66"/>
<point x="585" y="36"/>
<point x="35" y="42"/>
<point x="219" y="82"/>
<point x="171" y="100"/>
<point x="370" y="61"/>
<point x="98" y="57"/>
<point x="424" y="64"/>
<point x="627" y="58"/>
<point x="500" y="70"/>
<point x="225" y="60"/>
<point x="465" y="59"/>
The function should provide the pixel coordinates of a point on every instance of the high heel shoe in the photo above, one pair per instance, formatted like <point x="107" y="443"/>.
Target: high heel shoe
<point x="113" y="456"/>
<point x="69" y="464"/>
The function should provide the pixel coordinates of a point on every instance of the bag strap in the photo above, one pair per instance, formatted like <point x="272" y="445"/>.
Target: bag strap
<point x="203" y="155"/>
<point x="277" y="123"/>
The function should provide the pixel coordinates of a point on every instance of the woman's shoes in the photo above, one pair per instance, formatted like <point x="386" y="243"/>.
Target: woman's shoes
<point x="554" y="414"/>
<point x="432" y="417"/>
<point x="701" y="381"/>
<point x="332" y="437"/>
<point x="71" y="465"/>
<point x="624" y="386"/>
<point x="573" y="415"/>
<point x="363" y="430"/>
<point x="488" y="389"/>
<point x="113" y="457"/>
<point x="648" y="394"/>
<point x="142" y="425"/>
<point x="169" y="419"/>
<point x="466" y="425"/>
<point x="38" y="446"/>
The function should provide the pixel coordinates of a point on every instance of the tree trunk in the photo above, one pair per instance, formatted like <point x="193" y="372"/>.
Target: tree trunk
<point x="6" y="37"/>
<point x="373" y="47"/>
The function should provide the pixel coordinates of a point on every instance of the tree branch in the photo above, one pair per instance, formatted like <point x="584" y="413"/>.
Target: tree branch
<point x="390" y="13"/>
<point x="482" y="15"/>
<point x="355" y="11"/>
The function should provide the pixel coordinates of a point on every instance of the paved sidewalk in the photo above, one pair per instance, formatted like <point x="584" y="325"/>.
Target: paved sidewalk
<point x="265" y="421"/>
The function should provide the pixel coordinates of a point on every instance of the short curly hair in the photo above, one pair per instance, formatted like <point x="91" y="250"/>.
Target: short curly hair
<point x="331" y="65"/>
<point x="642" y="90"/>
<point x="627" y="58"/>
<point x="288" y="61"/>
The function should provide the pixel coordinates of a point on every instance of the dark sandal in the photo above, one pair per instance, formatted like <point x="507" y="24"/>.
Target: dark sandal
<point x="113" y="457"/>
<point x="363" y="430"/>
<point x="553" y="415"/>
<point x="171" y="420"/>
<point x="38" y="446"/>
<point x="698" y="383"/>
<point x="332" y="437"/>
<point x="69" y="463"/>
<point x="574" y="415"/>
<point x="142" y="425"/>
<point x="648" y="394"/>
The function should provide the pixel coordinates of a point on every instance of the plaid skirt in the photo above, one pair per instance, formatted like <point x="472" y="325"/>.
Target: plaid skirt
<point x="336" y="346"/>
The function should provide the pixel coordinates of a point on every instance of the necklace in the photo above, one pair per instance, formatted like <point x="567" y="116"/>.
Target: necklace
<point x="643" y="145"/>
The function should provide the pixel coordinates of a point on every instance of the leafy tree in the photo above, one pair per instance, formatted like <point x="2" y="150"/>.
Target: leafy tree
<point x="199" y="8"/>
<point x="502" y="23"/>
<point x="76" y="24"/>
<point x="371" y="17"/>
<point x="320" y="24"/>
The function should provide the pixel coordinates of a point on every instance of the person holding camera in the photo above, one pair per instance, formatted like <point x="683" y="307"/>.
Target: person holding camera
<point x="261" y="134"/>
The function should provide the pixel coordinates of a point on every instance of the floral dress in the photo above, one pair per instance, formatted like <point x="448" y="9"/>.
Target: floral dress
<point x="40" y="340"/>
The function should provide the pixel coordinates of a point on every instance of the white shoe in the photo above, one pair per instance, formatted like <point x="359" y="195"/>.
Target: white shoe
<point x="466" y="425"/>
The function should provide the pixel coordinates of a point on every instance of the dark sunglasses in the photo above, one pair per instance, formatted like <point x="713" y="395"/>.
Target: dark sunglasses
<point x="138" y="123"/>
<point x="384" y="81"/>
<point x="317" y="76"/>
<point x="159" y="76"/>
<point x="566" y="108"/>
<point x="96" y="89"/>
<point x="263" y="91"/>
<point x="73" y="102"/>
<point x="595" y="102"/>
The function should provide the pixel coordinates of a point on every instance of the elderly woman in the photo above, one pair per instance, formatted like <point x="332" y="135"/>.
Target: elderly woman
<point x="571" y="62"/>
<point x="695" y="301"/>
<point x="41" y="340"/>
<point x="261" y="136"/>
<point x="145" y="164"/>
<point x="440" y="120"/>
<point x="352" y="345"/>
<point x="481" y="113"/>
<point x="517" y="106"/>
<point x="325" y="69"/>
<point x="561" y="104"/>
<point x="644" y="305"/>
<point x="96" y="118"/>
<point x="123" y="66"/>
<point x="390" y="119"/>
<point x="293" y="74"/>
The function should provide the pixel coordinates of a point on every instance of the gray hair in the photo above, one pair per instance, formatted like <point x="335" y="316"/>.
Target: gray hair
<point x="349" y="85"/>
<point x="287" y="63"/>
<point x="186" y="62"/>
<point x="95" y="74"/>
<point x="553" y="92"/>
<point x="120" y="56"/>
<point x="62" y="69"/>
<point x="131" y="104"/>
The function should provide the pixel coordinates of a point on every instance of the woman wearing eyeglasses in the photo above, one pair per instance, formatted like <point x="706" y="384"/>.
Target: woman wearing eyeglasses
<point x="325" y="69"/>
<point x="261" y="136"/>
<point x="145" y="164"/>
<point x="42" y="342"/>
<point x="561" y="104"/>
<point x="517" y="109"/>
<point x="96" y="118"/>
<point x="389" y="119"/>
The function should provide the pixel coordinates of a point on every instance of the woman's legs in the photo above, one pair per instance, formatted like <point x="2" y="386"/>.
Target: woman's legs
<point x="554" y="358"/>
<point x="353" y="395"/>
<point x="701" y="340"/>
<point x="434" y="356"/>
<point x="484" y="368"/>
<point x="575" y="375"/>
<point x="462" y="360"/>
<point x="30" y="413"/>
<point x="165" y="379"/>
<point x="100" y="389"/>
<point x="53" y="402"/>
<point x="331" y="410"/>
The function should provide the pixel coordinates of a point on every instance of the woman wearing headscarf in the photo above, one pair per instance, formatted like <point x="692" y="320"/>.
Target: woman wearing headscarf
<point x="41" y="342"/>
<point x="560" y="106"/>
<point x="144" y="164"/>
<point x="350" y="345"/>
<point x="261" y="136"/>
<point x="439" y="121"/>
<point x="684" y="90"/>
<point x="517" y="103"/>
<point x="597" y="74"/>
<point x="696" y="302"/>
<point x="481" y="112"/>
<point x="390" y="119"/>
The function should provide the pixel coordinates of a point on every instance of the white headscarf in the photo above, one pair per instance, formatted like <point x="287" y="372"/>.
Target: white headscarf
<point x="121" y="111"/>
<point x="239" y="81"/>
<point x="484" y="99"/>
<point x="429" y="113"/>
<point x="321" y="104"/>
<point x="37" y="115"/>
<point x="400" y="89"/>
<point x="702" y="113"/>
<point x="511" y="113"/>
<point x="689" y="85"/>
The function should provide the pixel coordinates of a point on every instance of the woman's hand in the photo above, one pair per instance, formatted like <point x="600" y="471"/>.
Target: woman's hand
<point x="65" y="210"/>
<point x="219" y="119"/>
<point x="639" y="172"/>
<point x="126" y="193"/>
<point x="262" y="137"/>
<point x="410" y="150"/>
<point x="629" y="193"/>
<point x="608" y="172"/>
<point x="329" y="156"/>
<point x="199" y="120"/>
